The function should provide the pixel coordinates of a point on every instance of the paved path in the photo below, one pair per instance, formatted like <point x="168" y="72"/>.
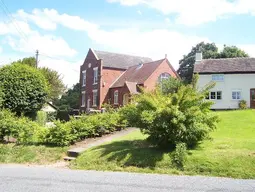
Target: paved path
<point x="33" y="179"/>
<point x="82" y="146"/>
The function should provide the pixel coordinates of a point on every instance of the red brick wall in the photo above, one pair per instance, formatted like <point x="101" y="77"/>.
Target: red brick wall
<point x="90" y="58"/>
<point x="152" y="81"/>
<point x="109" y="75"/>
<point x="122" y="91"/>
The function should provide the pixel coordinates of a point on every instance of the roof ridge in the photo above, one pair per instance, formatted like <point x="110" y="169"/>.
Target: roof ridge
<point x="122" y="54"/>
<point x="147" y="63"/>
<point x="230" y="58"/>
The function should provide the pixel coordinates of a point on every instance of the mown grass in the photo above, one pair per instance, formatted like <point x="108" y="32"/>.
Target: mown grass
<point x="10" y="153"/>
<point x="230" y="152"/>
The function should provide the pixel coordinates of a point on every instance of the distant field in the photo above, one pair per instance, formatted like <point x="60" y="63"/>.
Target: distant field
<point x="230" y="153"/>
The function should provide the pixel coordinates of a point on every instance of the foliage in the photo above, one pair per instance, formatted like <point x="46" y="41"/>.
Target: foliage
<point x="243" y="104"/>
<point x="51" y="116"/>
<point x="41" y="118"/>
<point x="170" y="119"/>
<point x="24" y="88"/>
<point x="55" y="83"/>
<point x="1" y="97"/>
<point x="69" y="100"/>
<point x="30" y="61"/>
<point x="179" y="156"/>
<point x="22" y="128"/>
<point x="232" y="52"/>
<point x="210" y="51"/>
<point x="63" y="115"/>
<point x="170" y="85"/>
<point x="84" y="127"/>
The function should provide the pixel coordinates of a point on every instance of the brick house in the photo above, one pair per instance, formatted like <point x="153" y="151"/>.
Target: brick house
<point x="111" y="77"/>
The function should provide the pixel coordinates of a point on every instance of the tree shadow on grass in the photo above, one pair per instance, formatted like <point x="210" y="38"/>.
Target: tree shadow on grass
<point x="138" y="153"/>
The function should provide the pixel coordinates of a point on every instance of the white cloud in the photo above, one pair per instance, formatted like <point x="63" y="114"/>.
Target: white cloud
<point x="139" y="12"/>
<point x="167" y="20"/>
<point x="68" y="70"/>
<point x="49" y="19"/>
<point x="248" y="48"/>
<point x="155" y="43"/>
<point x="196" y="12"/>
<point x="47" y="44"/>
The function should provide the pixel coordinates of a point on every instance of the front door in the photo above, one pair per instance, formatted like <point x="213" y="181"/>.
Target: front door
<point x="88" y="103"/>
<point x="253" y="98"/>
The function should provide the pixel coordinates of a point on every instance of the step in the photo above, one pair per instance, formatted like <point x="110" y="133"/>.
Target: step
<point x="75" y="152"/>
<point x="69" y="158"/>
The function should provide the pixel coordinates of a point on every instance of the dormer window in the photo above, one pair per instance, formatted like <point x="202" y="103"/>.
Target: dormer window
<point x="116" y="97"/>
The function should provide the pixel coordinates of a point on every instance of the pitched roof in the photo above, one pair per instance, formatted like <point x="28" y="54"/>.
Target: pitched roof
<point x="138" y="73"/>
<point x="121" y="61"/>
<point x="132" y="87"/>
<point x="229" y="65"/>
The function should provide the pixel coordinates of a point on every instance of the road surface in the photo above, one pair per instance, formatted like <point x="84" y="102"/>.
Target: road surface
<point x="32" y="179"/>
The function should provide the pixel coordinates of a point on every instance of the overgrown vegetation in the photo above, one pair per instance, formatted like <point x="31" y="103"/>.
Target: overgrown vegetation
<point x="177" y="115"/>
<point x="26" y="131"/>
<point x="243" y="104"/>
<point x="230" y="152"/>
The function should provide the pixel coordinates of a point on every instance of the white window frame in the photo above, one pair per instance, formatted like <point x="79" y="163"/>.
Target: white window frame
<point x="84" y="78"/>
<point x="94" y="99"/>
<point x="95" y="75"/>
<point x="216" y="95"/>
<point x="116" y="97"/>
<point x="236" y="95"/>
<point x="83" y="99"/>
<point x="164" y="76"/>
<point x="217" y="77"/>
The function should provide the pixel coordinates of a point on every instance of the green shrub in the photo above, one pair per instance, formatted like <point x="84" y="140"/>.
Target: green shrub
<point x="51" y="116"/>
<point x="242" y="104"/>
<point x="179" y="155"/>
<point x="22" y="128"/>
<point x="24" y="88"/>
<point x="169" y="119"/>
<point x="41" y="118"/>
<point x="59" y="135"/>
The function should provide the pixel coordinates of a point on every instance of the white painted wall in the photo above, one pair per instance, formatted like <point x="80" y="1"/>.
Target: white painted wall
<point x="243" y="82"/>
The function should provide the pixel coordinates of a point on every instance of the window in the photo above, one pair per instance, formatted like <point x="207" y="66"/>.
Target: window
<point x="95" y="75"/>
<point x="94" y="98"/>
<point x="163" y="77"/>
<point x="116" y="97"/>
<point x="83" y="99"/>
<point x="218" y="77"/>
<point x="236" y="95"/>
<point x="83" y="78"/>
<point x="215" y="95"/>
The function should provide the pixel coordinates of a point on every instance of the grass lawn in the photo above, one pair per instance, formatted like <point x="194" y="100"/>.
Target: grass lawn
<point x="230" y="153"/>
<point x="10" y="153"/>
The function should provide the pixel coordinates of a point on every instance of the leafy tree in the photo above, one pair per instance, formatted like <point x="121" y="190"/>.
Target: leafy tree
<point x="210" y="51"/>
<point x="70" y="100"/>
<point x="232" y="52"/>
<point x="55" y="83"/>
<point x="24" y="87"/>
<point x="54" y="79"/>
<point x="31" y="61"/>
<point x="172" y="118"/>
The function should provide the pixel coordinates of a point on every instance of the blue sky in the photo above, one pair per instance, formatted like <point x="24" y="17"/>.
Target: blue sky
<point x="63" y="31"/>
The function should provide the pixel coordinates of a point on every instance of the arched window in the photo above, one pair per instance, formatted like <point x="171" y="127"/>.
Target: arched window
<point x="116" y="97"/>
<point x="163" y="76"/>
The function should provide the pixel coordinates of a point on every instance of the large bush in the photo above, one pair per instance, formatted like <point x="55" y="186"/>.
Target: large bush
<point x="24" y="88"/>
<point x="168" y="119"/>
<point x="22" y="129"/>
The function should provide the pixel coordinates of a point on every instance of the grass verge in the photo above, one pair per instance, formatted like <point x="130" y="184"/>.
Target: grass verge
<point x="10" y="153"/>
<point x="230" y="152"/>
